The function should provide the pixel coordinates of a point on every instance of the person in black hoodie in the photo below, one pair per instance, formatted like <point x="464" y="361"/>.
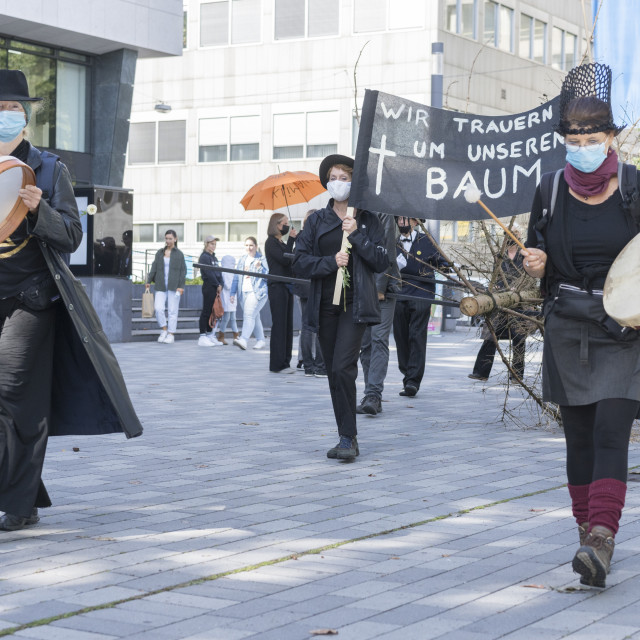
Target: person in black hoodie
<point x="416" y="257"/>
<point x="340" y="327"/>
<point x="211" y="287"/>
<point x="280" y="293"/>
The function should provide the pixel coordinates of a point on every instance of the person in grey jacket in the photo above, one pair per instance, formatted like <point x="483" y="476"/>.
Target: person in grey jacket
<point x="169" y="273"/>
<point x="374" y="353"/>
<point x="58" y="375"/>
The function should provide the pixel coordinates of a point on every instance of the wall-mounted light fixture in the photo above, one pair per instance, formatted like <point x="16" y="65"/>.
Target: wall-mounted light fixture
<point x="162" y="107"/>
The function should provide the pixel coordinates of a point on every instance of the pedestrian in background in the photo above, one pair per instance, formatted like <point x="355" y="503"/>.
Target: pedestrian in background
<point x="416" y="257"/>
<point x="211" y="287"/>
<point x="229" y="317"/>
<point x="280" y="293"/>
<point x="168" y="273"/>
<point x="252" y="294"/>
<point x="374" y="353"/>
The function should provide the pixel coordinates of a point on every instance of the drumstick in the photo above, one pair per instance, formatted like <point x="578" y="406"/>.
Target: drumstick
<point x="472" y="194"/>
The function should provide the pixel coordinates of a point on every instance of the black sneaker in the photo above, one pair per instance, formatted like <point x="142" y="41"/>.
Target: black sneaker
<point x="371" y="405"/>
<point x="347" y="448"/>
<point x="309" y="373"/>
<point x="409" y="391"/>
<point x="477" y="376"/>
<point x="359" y="409"/>
<point x="333" y="453"/>
<point x="320" y="373"/>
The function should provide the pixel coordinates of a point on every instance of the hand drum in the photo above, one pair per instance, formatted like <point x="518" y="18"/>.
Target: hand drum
<point x="622" y="287"/>
<point x="14" y="175"/>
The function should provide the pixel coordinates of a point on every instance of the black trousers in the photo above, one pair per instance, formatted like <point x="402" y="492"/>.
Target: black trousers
<point x="281" y="343"/>
<point x="597" y="437"/>
<point x="487" y="351"/>
<point x="410" y="326"/>
<point x="208" y="298"/>
<point x="26" y="367"/>
<point x="340" y="340"/>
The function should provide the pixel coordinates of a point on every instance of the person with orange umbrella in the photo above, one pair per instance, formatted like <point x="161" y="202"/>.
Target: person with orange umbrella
<point x="280" y="293"/>
<point x="336" y="244"/>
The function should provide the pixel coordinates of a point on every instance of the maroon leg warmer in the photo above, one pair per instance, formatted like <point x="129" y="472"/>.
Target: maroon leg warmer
<point x="606" y="499"/>
<point x="580" y="501"/>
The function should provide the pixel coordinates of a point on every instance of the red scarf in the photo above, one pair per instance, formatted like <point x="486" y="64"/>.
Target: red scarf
<point x="591" y="184"/>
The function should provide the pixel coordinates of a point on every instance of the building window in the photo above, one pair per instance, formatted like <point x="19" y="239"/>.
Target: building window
<point x="563" y="49"/>
<point x="63" y="79"/>
<point x="498" y="25"/>
<point x="236" y="138"/>
<point x="163" y="227"/>
<point x="224" y="22"/>
<point x="533" y="38"/>
<point x="461" y="17"/>
<point x="238" y="231"/>
<point x="301" y="18"/>
<point x="381" y="15"/>
<point x="161" y="142"/>
<point x="143" y="232"/>
<point x="305" y="135"/>
<point x="217" y="229"/>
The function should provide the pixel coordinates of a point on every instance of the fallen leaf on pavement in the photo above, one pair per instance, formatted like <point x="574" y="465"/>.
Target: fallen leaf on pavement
<point x="535" y="510"/>
<point x="324" y="632"/>
<point x="534" y="586"/>
<point x="76" y="449"/>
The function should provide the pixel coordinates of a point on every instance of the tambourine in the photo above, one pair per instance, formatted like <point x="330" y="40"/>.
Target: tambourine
<point x="14" y="175"/>
<point x="622" y="287"/>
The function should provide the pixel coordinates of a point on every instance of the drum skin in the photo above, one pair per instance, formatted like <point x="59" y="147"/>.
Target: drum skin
<point x="14" y="175"/>
<point x="622" y="287"/>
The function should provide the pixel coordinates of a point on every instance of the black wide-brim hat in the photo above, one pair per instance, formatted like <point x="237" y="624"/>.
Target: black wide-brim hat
<point x="332" y="161"/>
<point x="13" y="86"/>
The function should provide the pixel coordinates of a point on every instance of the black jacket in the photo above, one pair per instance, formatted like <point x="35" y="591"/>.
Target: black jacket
<point x="210" y="277"/>
<point x="389" y="280"/>
<point x="89" y="393"/>
<point x="422" y="251"/>
<point x="279" y="264"/>
<point x="369" y="257"/>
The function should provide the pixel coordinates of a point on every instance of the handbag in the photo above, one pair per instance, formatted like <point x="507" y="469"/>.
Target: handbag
<point x="217" y="311"/>
<point x="147" y="304"/>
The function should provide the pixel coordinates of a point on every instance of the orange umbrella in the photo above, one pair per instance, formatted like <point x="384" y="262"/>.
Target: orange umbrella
<point x="281" y="190"/>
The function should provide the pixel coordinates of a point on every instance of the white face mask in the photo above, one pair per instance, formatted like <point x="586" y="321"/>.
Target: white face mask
<point x="339" y="190"/>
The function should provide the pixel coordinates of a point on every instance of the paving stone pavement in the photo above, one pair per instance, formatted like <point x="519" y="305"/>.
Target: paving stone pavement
<point x="227" y="521"/>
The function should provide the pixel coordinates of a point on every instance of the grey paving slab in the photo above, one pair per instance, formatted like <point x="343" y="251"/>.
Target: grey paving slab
<point x="227" y="479"/>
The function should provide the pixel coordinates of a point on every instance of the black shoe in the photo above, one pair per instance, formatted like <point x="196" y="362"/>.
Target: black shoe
<point x="359" y="409"/>
<point x="333" y="453"/>
<point x="300" y="364"/>
<point x="477" y="376"/>
<point x="409" y="390"/>
<point x="371" y="405"/>
<point x="34" y="518"/>
<point x="320" y="373"/>
<point x="12" y="523"/>
<point x="309" y="373"/>
<point x="347" y="448"/>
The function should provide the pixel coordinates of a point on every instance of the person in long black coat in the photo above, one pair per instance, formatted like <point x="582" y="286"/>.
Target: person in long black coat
<point x="58" y="374"/>
<point x="280" y="293"/>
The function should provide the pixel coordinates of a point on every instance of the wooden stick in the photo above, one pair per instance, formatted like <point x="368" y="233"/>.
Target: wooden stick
<point x="483" y="303"/>
<point x="505" y="229"/>
<point x="340" y="275"/>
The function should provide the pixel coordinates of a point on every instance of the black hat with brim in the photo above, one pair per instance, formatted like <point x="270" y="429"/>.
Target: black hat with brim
<point x="13" y="86"/>
<point x="332" y="161"/>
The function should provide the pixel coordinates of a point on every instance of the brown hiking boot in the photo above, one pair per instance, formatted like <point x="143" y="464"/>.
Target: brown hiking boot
<point x="220" y="337"/>
<point x="583" y="530"/>
<point x="593" y="559"/>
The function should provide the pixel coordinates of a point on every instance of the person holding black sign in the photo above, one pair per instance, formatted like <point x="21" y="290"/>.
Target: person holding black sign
<point x="591" y="368"/>
<point x="416" y="258"/>
<point x="340" y="326"/>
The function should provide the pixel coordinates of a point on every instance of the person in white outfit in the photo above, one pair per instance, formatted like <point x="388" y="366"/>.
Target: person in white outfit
<point x="252" y="294"/>
<point x="229" y="317"/>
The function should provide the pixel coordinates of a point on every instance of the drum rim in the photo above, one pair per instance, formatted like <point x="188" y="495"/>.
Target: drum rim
<point x="20" y="209"/>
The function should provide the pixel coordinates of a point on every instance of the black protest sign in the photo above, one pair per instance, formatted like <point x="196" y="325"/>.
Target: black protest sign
<point x="414" y="160"/>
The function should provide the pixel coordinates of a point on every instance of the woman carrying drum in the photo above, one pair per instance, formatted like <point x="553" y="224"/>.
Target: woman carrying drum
<point x="591" y="368"/>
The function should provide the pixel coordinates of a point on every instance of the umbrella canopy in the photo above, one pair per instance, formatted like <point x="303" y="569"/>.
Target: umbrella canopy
<point x="281" y="190"/>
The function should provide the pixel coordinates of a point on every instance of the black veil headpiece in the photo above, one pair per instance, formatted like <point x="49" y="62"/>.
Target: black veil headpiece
<point x="587" y="80"/>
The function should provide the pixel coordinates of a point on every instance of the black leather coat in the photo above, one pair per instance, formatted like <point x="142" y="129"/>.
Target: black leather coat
<point x="369" y="257"/>
<point x="89" y="392"/>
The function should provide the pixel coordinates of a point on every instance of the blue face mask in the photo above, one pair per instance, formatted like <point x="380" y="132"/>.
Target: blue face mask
<point x="11" y="124"/>
<point x="586" y="159"/>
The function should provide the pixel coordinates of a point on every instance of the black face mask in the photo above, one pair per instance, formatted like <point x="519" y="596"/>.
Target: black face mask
<point x="404" y="228"/>
<point x="285" y="229"/>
